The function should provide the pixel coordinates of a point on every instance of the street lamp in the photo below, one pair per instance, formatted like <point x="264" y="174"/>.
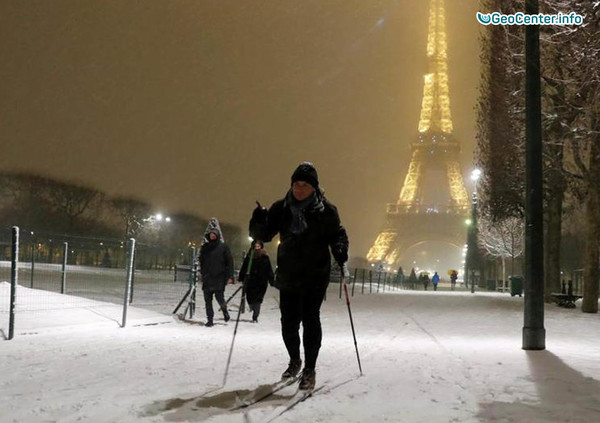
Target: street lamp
<point x="157" y="219"/>
<point x="471" y="246"/>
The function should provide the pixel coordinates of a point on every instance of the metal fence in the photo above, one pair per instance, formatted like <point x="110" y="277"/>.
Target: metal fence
<point x="58" y="272"/>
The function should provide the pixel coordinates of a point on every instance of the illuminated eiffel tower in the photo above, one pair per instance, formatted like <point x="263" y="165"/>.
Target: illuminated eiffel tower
<point x="420" y="215"/>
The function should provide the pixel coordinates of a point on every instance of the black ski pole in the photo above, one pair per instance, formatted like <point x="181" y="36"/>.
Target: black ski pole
<point x="351" y="321"/>
<point x="233" y="295"/>
<point x="237" y="322"/>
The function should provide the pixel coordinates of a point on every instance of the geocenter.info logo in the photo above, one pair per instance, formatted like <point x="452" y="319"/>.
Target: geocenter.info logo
<point x="498" y="18"/>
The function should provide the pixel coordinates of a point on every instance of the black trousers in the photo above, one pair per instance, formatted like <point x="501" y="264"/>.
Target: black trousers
<point x="208" y="300"/>
<point x="302" y="307"/>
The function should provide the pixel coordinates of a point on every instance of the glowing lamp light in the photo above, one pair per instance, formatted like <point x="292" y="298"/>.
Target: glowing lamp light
<point x="475" y="175"/>
<point x="468" y="221"/>
<point x="158" y="217"/>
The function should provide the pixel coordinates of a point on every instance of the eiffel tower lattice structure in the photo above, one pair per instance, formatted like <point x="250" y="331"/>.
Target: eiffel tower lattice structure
<point x="428" y="209"/>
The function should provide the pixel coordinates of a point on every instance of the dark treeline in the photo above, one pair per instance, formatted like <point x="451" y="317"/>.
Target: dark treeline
<point x="56" y="208"/>
<point x="570" y="73"/>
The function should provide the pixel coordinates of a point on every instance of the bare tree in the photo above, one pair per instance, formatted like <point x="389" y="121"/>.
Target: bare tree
<point x="578" y="93"/>
<point x="503" y="239"/>
<point x="71" y="200"/>
<point x="132" y="213"/>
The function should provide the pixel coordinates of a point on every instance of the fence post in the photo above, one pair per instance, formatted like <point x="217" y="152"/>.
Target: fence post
<point x="370" y="281"/>
<point x="32" y="261"/>
<point x="132" y="277"/>
<point x="354" y="280"/>
<point x="130" y="254"/>
<point x="364" y="272"/>
<point x="193" y="281"/>
<point x="14" y="280"/>
<point x="63" y="283"/>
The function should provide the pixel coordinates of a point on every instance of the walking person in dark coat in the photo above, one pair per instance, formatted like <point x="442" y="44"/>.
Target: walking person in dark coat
<point x="308" y="226"/>
<point x="216" y="268"/>
<point x="453" y="277"/>
<point x="261" y="274"/>
<point x="424" y="280"/>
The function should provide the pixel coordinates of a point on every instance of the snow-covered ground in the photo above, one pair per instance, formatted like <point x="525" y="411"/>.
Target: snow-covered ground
<point x="426" y="357"/>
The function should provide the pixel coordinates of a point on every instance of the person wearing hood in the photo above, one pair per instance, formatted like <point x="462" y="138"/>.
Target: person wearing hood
<point x="216" y="269"/>
<point x="261" y="274"/>
<point x="309" y="227"/>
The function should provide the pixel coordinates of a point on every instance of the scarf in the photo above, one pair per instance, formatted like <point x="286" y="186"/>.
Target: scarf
<point x="299" y="209"/>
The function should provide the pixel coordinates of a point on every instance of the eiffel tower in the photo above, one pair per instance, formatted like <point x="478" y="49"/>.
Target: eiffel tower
<point x="423" y="212"/>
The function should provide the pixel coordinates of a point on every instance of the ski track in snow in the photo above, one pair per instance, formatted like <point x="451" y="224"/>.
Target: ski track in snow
<point x="426" y="356"/>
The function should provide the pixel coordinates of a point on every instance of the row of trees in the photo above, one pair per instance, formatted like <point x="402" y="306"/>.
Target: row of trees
<point x="570" y="68"/>
<point x="46" y="205"/>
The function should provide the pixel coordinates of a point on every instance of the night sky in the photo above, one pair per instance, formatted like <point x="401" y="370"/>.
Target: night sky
<point x="207" y="106"/>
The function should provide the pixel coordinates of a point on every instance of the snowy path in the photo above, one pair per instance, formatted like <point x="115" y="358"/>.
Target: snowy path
<point x="427" y="357"/>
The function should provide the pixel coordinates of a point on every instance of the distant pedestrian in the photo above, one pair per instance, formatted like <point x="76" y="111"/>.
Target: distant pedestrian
<point x="453" y="278"/>
<point x="425" y="280"/>
<point x="435" y="280"/>
<point x="255" y="283"/>
<point x="216" y="268"/>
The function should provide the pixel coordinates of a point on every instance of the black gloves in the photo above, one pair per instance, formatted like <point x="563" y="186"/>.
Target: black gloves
<point x="339" y="248"/>
<point x="259" y="215"/>
<point x="258" y="222"/>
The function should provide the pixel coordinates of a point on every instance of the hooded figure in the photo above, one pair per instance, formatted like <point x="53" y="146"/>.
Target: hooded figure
<point x="216" y="268"/>
<point x="261" y="274"/>
<point x="309" y="228"/>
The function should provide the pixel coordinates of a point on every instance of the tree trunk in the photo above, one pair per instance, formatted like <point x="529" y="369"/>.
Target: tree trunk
<point x="591" y="270"/>
<point x="503" y="273"/>
<point x="553" y="233"/>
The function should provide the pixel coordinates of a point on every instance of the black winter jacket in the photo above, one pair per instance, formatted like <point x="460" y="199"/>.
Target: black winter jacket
<point x="303" y="261"/>
<point x="216" y="265"/>
<point x="260" y="275"/>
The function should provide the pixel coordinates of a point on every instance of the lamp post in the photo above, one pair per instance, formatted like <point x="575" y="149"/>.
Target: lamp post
<point x="472" y="250"/>
<point x="534" y="333"/>
<point x="156" y="221"/>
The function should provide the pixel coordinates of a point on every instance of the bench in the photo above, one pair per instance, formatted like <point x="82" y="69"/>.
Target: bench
<point x="565" y="300"/>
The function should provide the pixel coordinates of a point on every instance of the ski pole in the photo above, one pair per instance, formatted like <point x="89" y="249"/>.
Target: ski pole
<point x="351" y="321"/>
<point x="237" y="322"/>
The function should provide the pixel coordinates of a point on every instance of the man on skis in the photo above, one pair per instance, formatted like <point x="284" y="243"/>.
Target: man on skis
<point x="308" y="226"/>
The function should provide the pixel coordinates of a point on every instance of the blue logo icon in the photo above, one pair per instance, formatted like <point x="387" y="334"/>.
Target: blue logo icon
<point x="484" y="19"/>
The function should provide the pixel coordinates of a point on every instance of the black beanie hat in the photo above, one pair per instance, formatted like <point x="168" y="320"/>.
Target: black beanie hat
<point x="306" y="172"/>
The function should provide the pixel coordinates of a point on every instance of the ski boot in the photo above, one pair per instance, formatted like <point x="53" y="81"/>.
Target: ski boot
<point x="293" y="369"/>
<point x="307" y="380"/>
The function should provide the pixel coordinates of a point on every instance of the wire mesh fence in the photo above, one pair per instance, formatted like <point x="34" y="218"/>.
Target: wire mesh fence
<point x="57" y="272"/>
<point x="159" y="285"/>
<point x="5" y="256"/>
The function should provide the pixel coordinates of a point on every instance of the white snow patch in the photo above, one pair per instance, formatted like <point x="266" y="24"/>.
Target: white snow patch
<point x="426" y="356"/>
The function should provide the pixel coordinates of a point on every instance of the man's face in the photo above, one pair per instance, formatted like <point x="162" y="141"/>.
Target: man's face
<point x="212" y="236"/>
<point x="302" y="190"/>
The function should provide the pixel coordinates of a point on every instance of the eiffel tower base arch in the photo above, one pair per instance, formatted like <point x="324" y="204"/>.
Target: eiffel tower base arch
<point x="403" y="231"/>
